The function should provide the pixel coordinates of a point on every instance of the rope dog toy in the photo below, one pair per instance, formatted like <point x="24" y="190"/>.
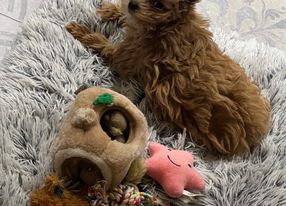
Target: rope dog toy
<point x="121" y="195"/>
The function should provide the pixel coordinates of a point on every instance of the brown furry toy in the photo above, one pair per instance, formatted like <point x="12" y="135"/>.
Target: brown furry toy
<point x="102" y="138"/>
<point x="188" y="81"/>
<point x="53" y="193"/>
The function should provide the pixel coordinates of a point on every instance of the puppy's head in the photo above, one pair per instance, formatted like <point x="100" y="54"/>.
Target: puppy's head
<point x="159" y="12"/>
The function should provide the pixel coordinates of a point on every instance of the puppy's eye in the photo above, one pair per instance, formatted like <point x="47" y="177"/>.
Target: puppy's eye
<point x="158" y="5"/>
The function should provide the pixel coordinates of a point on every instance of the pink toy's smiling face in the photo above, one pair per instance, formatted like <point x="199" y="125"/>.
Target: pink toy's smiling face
<point x="178" y="159"/>
<point x="173" y="162"/>
<point x="173" y="169"/>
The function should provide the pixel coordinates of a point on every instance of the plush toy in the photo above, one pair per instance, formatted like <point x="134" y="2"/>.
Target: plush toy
<point x="53" y="193"/>
<point x="102" y="138"/>
<point x="173" y="170"/>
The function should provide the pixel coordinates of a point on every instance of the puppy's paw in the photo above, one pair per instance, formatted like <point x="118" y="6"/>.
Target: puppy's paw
<point x="77" y="30"/>
<point x="109" y="12"/>
<point x="95" y="40"/>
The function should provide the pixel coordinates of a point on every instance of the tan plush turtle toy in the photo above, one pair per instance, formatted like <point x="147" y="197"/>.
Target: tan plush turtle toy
<point x="102" y="138"/>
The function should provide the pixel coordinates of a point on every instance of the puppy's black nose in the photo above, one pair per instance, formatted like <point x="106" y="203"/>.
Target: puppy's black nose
<point x="133" y="6"/>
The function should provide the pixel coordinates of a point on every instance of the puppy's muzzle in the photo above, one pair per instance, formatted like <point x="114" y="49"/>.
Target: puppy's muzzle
<point x="133" y="6"/>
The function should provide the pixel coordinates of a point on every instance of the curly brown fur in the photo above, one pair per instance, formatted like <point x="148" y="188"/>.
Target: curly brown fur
<point x="111" y="12"/>
<point x="188" y="80"/>
<point x="53" y="193"/>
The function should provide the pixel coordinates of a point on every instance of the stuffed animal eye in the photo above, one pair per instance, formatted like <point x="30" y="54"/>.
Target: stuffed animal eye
<point x="158" y="5"/>
<point x="58" y="191"/>
<point x="190" y="165"/>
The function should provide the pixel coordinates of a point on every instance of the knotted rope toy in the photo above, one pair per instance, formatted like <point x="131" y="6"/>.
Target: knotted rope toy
<point x="127" y="194"/>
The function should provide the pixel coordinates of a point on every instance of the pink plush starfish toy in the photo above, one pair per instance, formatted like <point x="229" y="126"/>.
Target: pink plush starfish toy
<point x="173" y="170"/>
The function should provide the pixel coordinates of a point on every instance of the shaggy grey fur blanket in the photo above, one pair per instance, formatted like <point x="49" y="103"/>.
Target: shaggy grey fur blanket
<point x="37" y="84"/>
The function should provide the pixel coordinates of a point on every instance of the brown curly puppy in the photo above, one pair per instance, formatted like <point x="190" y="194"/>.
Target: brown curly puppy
<point x="188" y="80"/>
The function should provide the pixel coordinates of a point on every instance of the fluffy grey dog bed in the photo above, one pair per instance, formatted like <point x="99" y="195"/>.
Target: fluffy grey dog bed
<point x="47" y="65"/>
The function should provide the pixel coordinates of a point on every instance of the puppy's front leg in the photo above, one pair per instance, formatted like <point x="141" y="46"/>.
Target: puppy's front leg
<point x="111" y="12"/>
<point x="92" y="40"/>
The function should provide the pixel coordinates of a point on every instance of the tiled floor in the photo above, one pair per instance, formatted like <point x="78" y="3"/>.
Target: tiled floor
<point x="12" y="13"/>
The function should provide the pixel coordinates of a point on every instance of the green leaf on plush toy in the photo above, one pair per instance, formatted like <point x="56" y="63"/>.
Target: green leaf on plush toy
<point x="104" y="98"/>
